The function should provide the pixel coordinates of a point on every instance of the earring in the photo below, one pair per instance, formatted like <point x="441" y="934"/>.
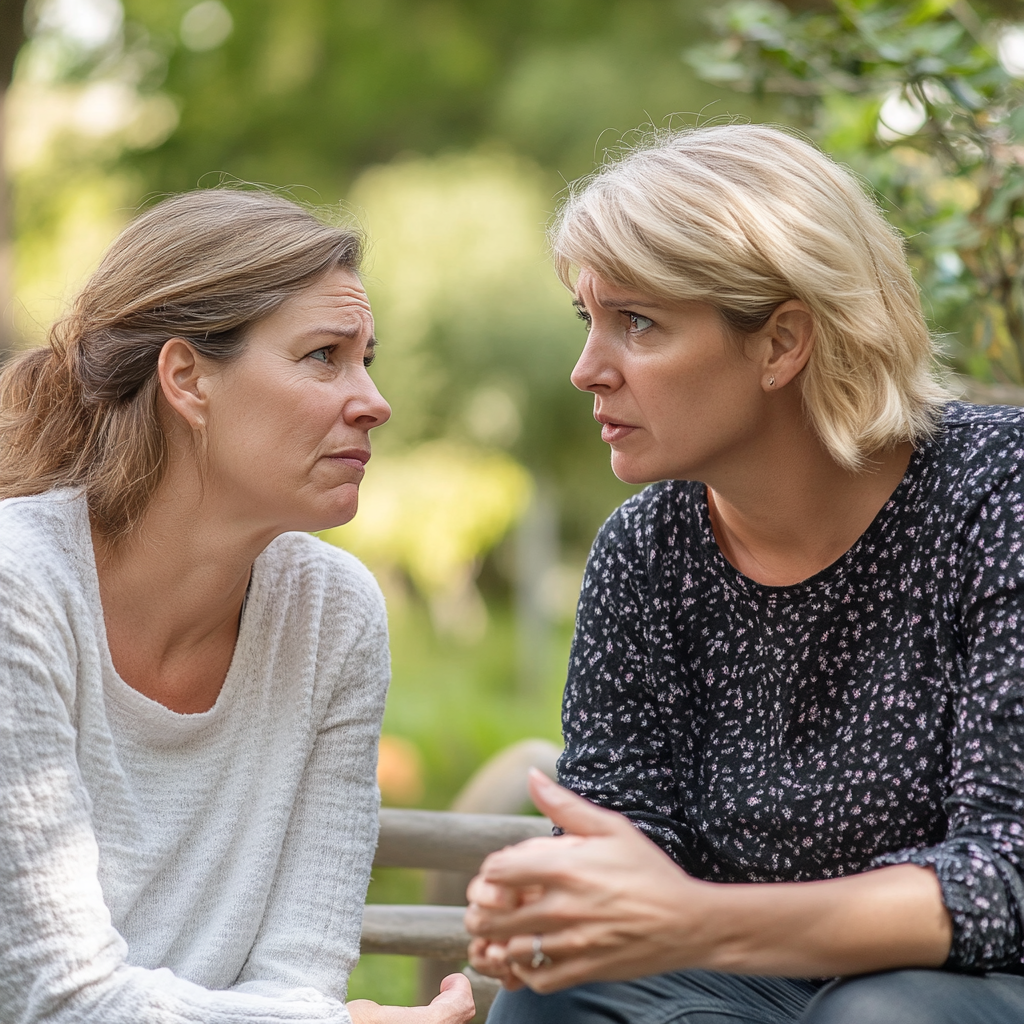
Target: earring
<point x="771" y="382"/>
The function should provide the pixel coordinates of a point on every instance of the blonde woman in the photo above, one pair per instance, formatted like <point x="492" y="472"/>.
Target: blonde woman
<point x="191" y="685"/>
<point x="798" y="667"/>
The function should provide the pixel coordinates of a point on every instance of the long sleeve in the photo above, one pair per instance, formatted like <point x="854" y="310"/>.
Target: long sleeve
<point x="979" y="863"/>
<point x="61" y="960"/>
<point x="617" y="753"/>
<point x="310" y="932"/>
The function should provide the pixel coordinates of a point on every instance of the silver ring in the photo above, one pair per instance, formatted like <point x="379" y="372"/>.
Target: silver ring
<point x="540" y="958"/>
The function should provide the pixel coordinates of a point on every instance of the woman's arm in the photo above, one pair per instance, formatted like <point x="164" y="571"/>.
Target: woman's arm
<point x="610" y="905"/>
<point x="309" y="936"/>
<point x="618" y="753"/>
<point x="61" y="960"/>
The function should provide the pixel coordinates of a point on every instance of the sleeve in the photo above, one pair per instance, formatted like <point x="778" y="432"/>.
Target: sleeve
<point x="979" y="864"/>
<point x="61" y="960"/>
<point x="617" y="753"/>
<point x="310" y="932"/>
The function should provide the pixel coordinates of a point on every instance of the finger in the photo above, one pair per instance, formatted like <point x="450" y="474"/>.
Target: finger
<point x="550" y="914"/>
<point x="571" y="812"/>
<point x="535" y="863"/>
<point x="489" y="958"/>
<point x="561" y="974"/>
<point x="455" y="1000"/>
<point x="485" y="893"/>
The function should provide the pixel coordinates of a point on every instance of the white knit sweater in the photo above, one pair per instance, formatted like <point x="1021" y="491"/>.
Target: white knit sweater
<point x="158" y="868"/>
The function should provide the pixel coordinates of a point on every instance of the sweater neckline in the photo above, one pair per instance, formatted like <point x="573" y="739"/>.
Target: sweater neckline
<point x="144" y="710"/>
<point x="834" y="571"/>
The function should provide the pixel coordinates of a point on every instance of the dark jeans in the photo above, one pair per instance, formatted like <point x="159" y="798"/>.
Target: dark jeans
<point x="704" y="997"/>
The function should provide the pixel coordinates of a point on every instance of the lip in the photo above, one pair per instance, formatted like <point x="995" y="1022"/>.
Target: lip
<point x="354" y="458"/>
<point x="612" y="431"/>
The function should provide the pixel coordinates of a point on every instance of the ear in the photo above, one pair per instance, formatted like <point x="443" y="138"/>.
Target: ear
<point x="789" y="338"/>
<point x="181" y="382"/>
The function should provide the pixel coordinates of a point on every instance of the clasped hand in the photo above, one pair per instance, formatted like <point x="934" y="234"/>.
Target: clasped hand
<point x="601" y="903"/>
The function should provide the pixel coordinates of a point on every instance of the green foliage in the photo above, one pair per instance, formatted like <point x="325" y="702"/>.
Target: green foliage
<point x="913" y="96"/>
<point x="312" y="90"/>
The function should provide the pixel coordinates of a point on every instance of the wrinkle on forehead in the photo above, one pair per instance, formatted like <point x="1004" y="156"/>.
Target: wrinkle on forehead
<point x="339" y="294"/>
<point x="599" y="289"/>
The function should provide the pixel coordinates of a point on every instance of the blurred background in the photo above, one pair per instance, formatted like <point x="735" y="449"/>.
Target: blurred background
<point x="448" y="129"/>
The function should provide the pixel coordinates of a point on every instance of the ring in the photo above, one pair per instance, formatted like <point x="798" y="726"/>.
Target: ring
<point x="540" y="958"/>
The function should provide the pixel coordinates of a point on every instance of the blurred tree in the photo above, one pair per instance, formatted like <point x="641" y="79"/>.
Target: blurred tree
<point x="311" y="93"/>
<point x="926" y="99"/>
<point x="312" y="90"/>
<point x="12" y="35"/>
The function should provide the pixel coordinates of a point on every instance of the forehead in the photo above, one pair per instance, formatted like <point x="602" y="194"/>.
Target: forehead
<point x="337" y="296"/>
<point x="594" y="289"/>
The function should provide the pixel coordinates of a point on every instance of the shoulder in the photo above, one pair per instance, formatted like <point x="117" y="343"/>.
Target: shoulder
<point x="977" y="449"/>
<point x="303" y="565"/>
<point x="651" y="518"/>
<point x="970" y="426"/>
<point x="44" y="540"/>
<point x="644" y="538"/>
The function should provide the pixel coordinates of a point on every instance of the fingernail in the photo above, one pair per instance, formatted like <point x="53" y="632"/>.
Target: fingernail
<point x="544" y="781"/>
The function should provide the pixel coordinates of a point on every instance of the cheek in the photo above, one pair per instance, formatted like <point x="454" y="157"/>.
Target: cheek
<point x="700" y="398"/>
<point x="263" y="423"/>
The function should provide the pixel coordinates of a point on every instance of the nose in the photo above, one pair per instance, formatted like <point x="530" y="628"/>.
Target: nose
<point x="595" y="370"/>
<point x="366" y="408"/>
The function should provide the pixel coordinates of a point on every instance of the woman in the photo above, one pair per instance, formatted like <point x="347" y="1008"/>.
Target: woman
<point x="797" y="667"/>
<point x="191" y="690"/>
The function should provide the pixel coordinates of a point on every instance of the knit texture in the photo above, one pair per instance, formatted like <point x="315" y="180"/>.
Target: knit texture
<point x="158" y="868"/>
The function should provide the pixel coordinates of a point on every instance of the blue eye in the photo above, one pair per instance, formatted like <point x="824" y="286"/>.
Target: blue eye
<point x="638" y="323"/>
<point x="321" y="355"/>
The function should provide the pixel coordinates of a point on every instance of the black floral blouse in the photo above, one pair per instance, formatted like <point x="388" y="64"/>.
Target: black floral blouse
<point x="869" y="715"/>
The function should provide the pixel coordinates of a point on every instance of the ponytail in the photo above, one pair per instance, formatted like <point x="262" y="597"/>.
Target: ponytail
<point x="204" y="266"/>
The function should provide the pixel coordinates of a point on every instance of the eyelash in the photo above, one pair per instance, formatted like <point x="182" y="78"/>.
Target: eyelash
<point x="633" y="317"/>
<point x="367" y="360"/>
<point x="583" y="315"/>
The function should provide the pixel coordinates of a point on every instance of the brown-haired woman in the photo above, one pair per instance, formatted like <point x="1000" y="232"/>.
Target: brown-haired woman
<point x="192" y="689"/>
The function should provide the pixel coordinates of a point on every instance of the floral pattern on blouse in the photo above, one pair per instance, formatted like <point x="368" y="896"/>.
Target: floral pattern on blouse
<point x="872" y="714"/>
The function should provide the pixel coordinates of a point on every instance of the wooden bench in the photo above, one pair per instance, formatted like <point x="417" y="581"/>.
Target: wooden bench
<point x="451" y="845"/>
<point x="443" y="841"/>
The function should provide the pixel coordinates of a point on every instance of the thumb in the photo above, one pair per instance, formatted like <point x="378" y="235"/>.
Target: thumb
<point x="572" y="813"/>
<point x="456" y="994"/>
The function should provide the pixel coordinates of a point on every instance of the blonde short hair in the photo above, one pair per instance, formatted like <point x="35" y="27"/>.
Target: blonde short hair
<point x="746" y="217"/>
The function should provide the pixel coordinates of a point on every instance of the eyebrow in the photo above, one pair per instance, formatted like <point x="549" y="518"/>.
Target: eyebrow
<point x="349" y="333"/>
<point x="615" y="303"/>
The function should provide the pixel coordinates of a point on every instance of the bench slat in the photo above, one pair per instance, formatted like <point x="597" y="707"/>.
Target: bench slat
<point x="414" y="930"/>
<point x="447" y="841"/>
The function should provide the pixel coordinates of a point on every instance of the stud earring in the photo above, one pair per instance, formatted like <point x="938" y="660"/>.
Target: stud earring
<point x="771" y="382"/>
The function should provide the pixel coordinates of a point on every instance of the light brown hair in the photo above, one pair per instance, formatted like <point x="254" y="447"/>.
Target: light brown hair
<point x="745" y="217"/>
<point x="204" y="266"/>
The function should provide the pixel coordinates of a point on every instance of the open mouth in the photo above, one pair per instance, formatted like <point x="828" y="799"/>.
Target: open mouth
<point x="612" y="432"/>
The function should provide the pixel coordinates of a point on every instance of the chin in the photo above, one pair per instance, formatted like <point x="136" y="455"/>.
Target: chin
<point x="325" y="514"/>
<point x="631" y="473"/>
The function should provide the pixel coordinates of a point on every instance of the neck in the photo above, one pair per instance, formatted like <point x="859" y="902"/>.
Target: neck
<point x="792" y="510"/>
<point x="172" y="593"/>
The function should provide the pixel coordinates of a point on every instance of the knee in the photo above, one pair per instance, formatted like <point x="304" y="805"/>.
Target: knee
<point x="899" y="997"/>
